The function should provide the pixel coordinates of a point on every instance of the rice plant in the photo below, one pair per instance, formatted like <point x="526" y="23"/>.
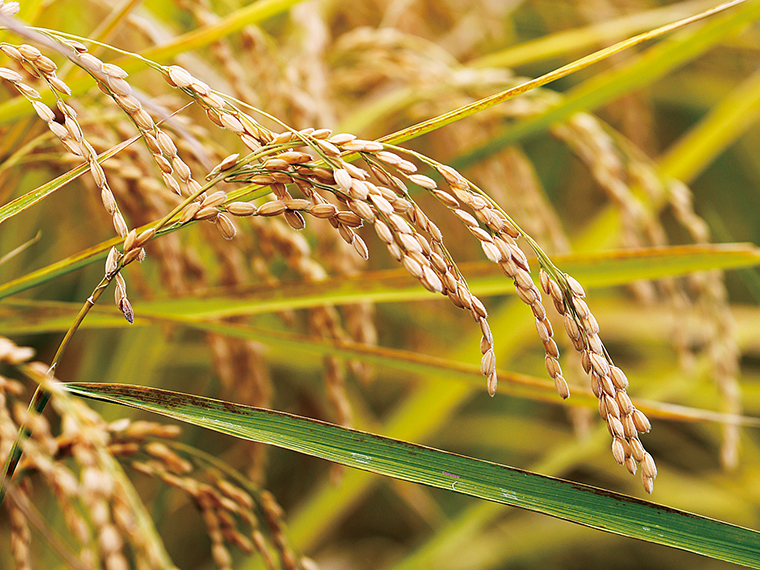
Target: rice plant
<point x="321" y="224"/>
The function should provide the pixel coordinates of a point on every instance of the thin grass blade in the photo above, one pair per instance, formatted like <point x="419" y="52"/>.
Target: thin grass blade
<point x="601" y="269"/>
<point x="13" y="253"/>
<point x="606" y="83"/>
<point x="253" y="13"/>
<point x="21" y="203"/>
<point x="560" y="44"/>
<point x="595" y="269"/>
<point x="30" y="317"/>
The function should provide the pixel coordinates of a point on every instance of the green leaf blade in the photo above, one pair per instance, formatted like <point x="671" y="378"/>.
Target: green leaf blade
<point x="574" y="502"/>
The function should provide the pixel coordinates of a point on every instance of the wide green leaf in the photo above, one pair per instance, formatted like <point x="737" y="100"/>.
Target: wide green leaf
<point x="574" y="502"/>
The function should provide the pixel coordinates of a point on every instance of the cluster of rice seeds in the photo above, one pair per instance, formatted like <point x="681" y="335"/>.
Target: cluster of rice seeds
<point x="608" y="382"/>
<point x="401" y="225"/>
<point x="109" y="519"/>
<point x="175" y="172"/>
<point x="38" y="66"/>
<point x="70" y="132"/>
<point x="602" y="153"/>
<point x="291" y="165"/>
<point x="398" y="222"/>
<point x="713" y="301"/>
<point x="282" y="168"/>
<point x="112" y="81"/>
<point x="499" y="244"/>
<point x="39" y="451"/>
<point x="586" y="136"/>
<point x="101" y="489"/>
<point x="92" y="502"/>
<point x="128" y="438"/>
<point x="278" y="170"/>
<point x="273" y="173"/>
<point x="217" y="110"/>
<point x="233" y="516"/>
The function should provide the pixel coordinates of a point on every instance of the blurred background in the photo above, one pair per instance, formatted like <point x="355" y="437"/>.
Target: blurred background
<point x="655" y="146"/>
